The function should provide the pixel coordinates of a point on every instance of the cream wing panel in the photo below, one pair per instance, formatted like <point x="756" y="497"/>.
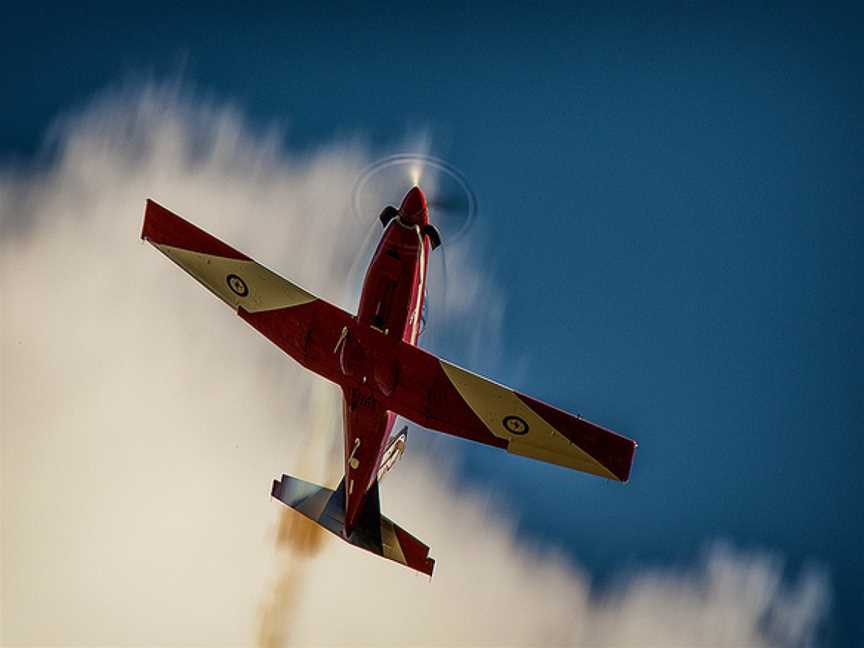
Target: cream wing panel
<point x="508" y="417"/>
<point x="239" y="282"/>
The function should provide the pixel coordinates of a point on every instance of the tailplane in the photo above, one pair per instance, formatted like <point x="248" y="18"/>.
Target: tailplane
<point x="374" y="532"/>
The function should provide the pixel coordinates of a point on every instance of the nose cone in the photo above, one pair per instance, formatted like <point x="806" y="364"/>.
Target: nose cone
<point x="414" y="210"/>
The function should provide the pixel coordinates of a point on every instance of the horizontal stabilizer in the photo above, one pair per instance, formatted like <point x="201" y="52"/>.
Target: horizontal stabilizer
<point x="374" y="532"/>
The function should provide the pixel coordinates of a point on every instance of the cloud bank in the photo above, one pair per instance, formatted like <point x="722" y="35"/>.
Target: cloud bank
<point x="142" y="424"/>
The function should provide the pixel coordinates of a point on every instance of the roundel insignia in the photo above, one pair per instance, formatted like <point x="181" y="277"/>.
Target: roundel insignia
<point x="515" y="425"/>
<point x="237" y="285"/>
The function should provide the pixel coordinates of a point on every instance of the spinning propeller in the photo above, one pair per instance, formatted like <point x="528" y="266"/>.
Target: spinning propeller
<point x="451" y="203"/>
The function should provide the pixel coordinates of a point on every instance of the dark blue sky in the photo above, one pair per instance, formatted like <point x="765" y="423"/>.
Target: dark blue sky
<point x="671" y="199"/>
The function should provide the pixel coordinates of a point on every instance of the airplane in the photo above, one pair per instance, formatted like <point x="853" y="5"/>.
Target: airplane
<point x="373" y="356"/>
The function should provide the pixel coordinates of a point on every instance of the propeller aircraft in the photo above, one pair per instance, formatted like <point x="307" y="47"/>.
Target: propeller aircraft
<point x="374" y="358"/>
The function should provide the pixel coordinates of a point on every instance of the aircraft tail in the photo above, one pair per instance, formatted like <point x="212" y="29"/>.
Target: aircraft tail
<point x="374" y="532"/>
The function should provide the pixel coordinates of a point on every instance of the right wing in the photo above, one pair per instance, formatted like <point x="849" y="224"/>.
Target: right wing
<point x="441" y="396"/>
<point x="296" y="321"/>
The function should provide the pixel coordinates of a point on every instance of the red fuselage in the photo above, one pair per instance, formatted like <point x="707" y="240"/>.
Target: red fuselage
<point x="390" y="305"/>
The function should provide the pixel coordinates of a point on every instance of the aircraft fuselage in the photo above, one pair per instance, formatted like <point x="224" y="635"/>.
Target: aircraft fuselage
<point x="390" y="305"/>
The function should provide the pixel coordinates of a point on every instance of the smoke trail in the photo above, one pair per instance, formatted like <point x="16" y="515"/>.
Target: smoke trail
<point x="298" y="539"/>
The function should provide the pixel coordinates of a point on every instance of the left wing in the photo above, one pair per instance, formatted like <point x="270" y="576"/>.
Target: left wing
<point x="441" y="396"/>
<point x="299" y="323"/>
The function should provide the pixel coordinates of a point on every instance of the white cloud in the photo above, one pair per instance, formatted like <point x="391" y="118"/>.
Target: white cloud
<point x="142" y="424"/>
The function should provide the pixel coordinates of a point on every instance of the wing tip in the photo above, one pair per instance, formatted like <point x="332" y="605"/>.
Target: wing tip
<point x="626" y="467"/>
<point x="612" y="451"/>
<point x="164" y="227"/>
<point x="145" y="226"/>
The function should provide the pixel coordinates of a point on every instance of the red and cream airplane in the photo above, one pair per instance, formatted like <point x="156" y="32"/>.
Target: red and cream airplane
<point x="373" y="357"/>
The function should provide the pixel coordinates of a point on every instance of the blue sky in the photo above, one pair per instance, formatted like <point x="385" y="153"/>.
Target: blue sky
<point x="670" y="201"/>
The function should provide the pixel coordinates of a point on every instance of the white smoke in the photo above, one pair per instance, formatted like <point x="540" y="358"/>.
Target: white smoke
<point x="142" y="424"/>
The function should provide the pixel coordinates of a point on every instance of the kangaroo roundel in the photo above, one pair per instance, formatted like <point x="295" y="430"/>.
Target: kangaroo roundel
<point x="515" y="425"/>
<point x="236" y="284"/>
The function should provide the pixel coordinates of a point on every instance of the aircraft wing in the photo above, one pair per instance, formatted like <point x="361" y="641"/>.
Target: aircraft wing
<point x="296" y="321"/>
<point x="421" y="387"/>
<point x="441" y="396"/>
